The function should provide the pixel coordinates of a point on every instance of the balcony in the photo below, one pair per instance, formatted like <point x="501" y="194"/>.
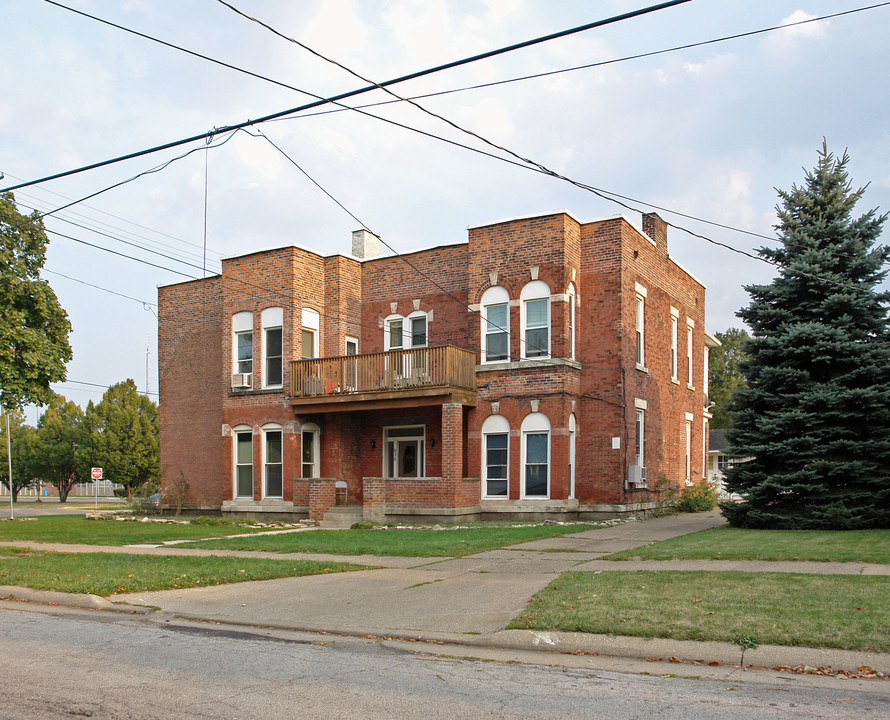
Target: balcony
<point x="394" y="379"/>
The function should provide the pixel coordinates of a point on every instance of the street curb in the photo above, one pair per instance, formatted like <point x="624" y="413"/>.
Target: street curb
<point x="76" y="600"/>
<point x="619" y="646"/>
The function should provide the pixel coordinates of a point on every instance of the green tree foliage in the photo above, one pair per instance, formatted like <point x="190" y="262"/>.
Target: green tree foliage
<point x="123" y="436"/>
<point x="23" y="439"/>
<point x="59" y="451"/>
<point x="725" y="374"/>
<point x="33" y="326"/>
<point x="815" y="416"/>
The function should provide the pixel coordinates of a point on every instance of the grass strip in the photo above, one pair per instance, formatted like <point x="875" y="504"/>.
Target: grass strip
<point x="77" y="529"/>
<point x="849" y="612"/>
<point x="447" y="542"/>
<point x="105" y="574"/>
<point x="727" y="543"/>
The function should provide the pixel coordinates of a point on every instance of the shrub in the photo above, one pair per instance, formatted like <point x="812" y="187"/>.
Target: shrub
<point x="696" y="498"/>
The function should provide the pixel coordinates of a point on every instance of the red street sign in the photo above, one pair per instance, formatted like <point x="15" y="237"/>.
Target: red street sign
<point x="96" y="473"/>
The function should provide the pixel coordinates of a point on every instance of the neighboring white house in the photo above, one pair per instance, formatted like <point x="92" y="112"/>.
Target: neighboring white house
<point x="718" y="461"/>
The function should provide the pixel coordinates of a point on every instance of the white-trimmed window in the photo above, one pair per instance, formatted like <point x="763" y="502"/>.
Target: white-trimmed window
<point x="535" y="456"/>
<point x="243" y="438"/>
<point x="640" y="326"/>
<point x="688" y="450"/>
<point x="273" y="484"/>
<point x="310" y="451"/>
<point x="675" y="322"/>
<point x="406" y="332"/>
<point x="495" y="457"/>
<point x="242" y="342"/>
<point x="403" y="454"/>
<point x="573" y="429"/>
<point x="495" y="325"/>
<point x="273" y="355"/>
<point x="689" y="327"/>
<point x="535" y="320"/>
<point x="640" y="438"/>
<point x="573" y="307"/>
<point x="309" y="335"/>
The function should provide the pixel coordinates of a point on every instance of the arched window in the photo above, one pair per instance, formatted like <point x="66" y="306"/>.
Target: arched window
<point x="310" y="452"/>
<point x="495" y="316"/>
<point x="535" y="319"/>
<point x="242" y="436"/>
<point x="273" y="355"/>
<point x="536" y="456"/>
<point x="495" y="457"/>
<point x="273" y="446"/>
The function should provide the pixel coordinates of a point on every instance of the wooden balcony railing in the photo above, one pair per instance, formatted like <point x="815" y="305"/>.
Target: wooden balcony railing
<point x="418" y="369"/>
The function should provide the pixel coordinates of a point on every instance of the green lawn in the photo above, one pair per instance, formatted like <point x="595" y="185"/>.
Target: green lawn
<point x="726" y="543"/>
<point x="406" y="543"/>
<point x="848" y="611"/>
<point x="105" y="573"/>
<point x="77" y="529"/>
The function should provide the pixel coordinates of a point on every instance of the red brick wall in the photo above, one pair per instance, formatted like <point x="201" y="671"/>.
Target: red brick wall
<point x="191" y="388"/>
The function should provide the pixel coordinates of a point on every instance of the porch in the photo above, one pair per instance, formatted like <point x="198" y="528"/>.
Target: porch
<point x="384" y="380"/>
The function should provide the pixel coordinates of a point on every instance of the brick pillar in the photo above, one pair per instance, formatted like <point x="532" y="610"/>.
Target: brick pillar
<point x="322" y="497"/>
<point x="374" y="499"/>
<point x="452" y="447"/>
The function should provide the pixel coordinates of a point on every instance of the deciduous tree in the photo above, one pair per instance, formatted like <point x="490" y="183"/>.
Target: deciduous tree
<point x="725" y="374"/>
<point x="33" y="326"/>
<point x="61" y="431"/>
<point x="123" y="436"/>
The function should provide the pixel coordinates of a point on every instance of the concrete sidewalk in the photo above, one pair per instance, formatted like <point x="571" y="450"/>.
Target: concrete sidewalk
<point x="470" y="600"/>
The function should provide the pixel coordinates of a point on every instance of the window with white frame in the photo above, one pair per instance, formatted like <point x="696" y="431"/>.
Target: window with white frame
<point x="495" y="456"/>
<point x="640" y="438"/>
<point x="573" y="306"/>
<point x="309" y="334"/>
<point x="242" y="342"/>
<point x="640" y="323"/>
<point x="535" y="456"/>
<point x="273" y="321"/>
<point x="243" y="437"/>
<point x="310" y="451"/>
<point x="403" y="451"/>
<point x="272" y="461"/>
<point x="495" y="325"/>
<point x="675" y="321"/>
<point x="572" y="441"/>
<point x="406" y="332"/>
<point x="535" y="320"/>
<point x="689" y="327"/>
<point x="688" y="452"/>
<point x="351" y="363"/>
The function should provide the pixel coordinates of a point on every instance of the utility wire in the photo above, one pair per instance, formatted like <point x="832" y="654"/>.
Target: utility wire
<point x="349" y="94"/>
<point x="145" y="303"/>
<point x="534" y="165"/>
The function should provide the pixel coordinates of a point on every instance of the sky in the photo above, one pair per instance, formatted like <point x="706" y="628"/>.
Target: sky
<point x="705" y="133"/>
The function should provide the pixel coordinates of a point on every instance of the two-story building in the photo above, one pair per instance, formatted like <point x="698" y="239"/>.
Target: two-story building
<point x="546" y="367"/>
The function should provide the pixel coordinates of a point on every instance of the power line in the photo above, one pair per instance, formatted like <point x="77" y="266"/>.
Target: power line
<point x="350" y="93"/>
<point x="147" y="305"/>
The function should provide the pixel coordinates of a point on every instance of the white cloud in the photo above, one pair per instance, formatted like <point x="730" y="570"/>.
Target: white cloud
<point x="786" y="41"/>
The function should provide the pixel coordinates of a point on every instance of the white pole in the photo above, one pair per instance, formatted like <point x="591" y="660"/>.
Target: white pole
<point x="9" y="461"/>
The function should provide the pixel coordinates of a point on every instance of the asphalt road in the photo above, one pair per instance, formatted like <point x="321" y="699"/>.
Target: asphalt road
<point x="81" y="665"/>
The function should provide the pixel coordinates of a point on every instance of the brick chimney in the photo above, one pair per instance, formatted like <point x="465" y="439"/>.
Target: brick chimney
<point x="365" y="244"/>
<point x="656" y="228"/>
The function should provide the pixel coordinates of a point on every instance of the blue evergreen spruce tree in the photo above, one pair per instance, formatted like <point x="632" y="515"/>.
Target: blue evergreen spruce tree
<point x="812" y="428"/>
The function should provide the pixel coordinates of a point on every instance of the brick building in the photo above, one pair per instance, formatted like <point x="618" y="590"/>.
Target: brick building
<point x="545" y="368"/>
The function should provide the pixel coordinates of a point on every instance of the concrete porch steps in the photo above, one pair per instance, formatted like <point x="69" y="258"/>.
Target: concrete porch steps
<point x="342" y="516"/>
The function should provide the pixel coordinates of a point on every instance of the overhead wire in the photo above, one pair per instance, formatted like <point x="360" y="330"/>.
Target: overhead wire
<point x="534" y="165"/>
<point x="348" y="94"/>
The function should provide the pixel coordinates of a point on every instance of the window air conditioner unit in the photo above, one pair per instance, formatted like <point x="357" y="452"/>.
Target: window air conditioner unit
<point x="636" y="475"/>
<point x="241" y="381"/>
